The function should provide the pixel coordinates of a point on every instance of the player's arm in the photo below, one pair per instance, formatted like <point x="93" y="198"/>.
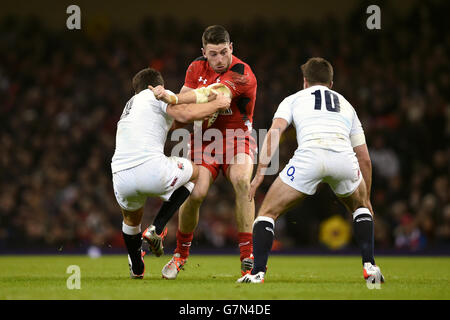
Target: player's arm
<point x="186" y="96"/>
<point x="185" y="89"/>
<point x="177" y="124"/>
<point x="186" y="113"/>
<point x="365" y="164"/>
<point x="358" y="142"/>
<point x="270" y="145"/>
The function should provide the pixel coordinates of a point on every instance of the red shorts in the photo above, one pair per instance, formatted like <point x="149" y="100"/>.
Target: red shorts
<point x="217" y="154"/>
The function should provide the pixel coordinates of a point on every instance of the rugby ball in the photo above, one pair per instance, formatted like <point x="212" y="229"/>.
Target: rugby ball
<point x="213" y="118"/>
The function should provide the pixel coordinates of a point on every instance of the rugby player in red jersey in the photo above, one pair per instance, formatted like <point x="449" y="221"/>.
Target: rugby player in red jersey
<point x="218" y="69"/>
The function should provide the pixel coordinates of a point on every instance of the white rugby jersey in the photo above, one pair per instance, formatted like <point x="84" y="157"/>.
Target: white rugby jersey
<point x="141" y="131"/>
<point x="322" y="117"/>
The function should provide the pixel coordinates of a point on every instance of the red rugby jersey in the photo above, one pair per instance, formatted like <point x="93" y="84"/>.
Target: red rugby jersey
<point x="239" y="78"/>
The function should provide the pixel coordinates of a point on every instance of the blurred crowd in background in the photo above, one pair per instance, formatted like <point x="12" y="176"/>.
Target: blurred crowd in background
<point x="62" y="93"/>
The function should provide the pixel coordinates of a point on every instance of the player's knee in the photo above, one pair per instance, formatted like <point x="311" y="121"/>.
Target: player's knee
<point x="268" y="213"/>
<point x="241" y="184"/>
<point x="132" y="218"/>
<point x="361" y="203"/>
<point x="267" y="210"/>
<point x="198" y="194"/>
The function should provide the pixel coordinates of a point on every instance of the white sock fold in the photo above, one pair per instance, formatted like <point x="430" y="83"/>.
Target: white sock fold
<point x="263" y="218"/>
<point x="190" y="186"/>
<point x="131" y="230"/>
<point x="360" y="211"/>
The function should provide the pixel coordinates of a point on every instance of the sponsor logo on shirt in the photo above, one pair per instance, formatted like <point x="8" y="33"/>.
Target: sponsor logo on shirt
<point x="231" y="84"/>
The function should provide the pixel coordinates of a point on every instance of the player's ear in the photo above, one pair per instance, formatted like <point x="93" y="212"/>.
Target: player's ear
<point x="204" y="53"/>
<point x="231" y="47"/>
<point x="331" y="84"/>
<point x="305" y="83"/>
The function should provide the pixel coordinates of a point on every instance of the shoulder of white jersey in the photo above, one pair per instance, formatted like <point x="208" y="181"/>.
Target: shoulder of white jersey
<point x="146" y="96"/>
<point x="285" y="107"/>
<point x="147" y="92"/>
<point x="292" y="97"/>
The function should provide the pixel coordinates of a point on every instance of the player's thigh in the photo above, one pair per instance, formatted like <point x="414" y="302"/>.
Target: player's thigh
<point x="346" y="181"/>
<point x="357" y="199"/>
<point x="342" y="172"/>
<point x="303" y="172"/>
<point x="189" y="211"/>
<point x="202" y="184"/>
<point x="181" y="167"/>
<point x="158" y="176"/>
<point x="240" y="171"/>
<point x="280" y="198"/>
<point x="178" y="172"/>
<point x="125" y="191"/>
<point x="195" y="171"/>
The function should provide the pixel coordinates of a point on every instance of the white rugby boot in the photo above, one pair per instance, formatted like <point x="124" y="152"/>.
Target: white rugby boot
<point x="252" y="278"/>
<point x="372" y="273"/>
<point x="171" y="269"/>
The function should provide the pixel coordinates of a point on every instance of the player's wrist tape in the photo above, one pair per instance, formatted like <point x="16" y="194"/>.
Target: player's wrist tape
<point x="202" y="94"/>
<point x="173" y="99"/>
<point x="358" y="139"/>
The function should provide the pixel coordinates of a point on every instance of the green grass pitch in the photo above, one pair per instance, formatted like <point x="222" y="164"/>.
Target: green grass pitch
<point x="213" y="278"/>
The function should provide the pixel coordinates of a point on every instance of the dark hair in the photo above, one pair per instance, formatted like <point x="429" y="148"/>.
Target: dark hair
<point x="215" y="35"/>
<point x="318" y="70"/>
<point x="146" y="77"/>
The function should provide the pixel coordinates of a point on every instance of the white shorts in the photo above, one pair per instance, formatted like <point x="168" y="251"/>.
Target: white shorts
<point x="309" y="167"/>
<point x="154" y="178"/>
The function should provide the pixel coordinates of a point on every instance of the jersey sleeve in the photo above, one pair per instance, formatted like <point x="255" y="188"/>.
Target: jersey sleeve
<point x="356" y="125"/>
<point x="284" y="111"/>
<point x="164" y="105"/>
<point x="190" y="79"/>
<point x="357" y="136"/>
<point x="239" y="79"/>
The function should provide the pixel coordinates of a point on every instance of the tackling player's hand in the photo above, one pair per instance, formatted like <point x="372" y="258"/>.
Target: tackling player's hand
<point x="160" y="93"/>
<point x="212" y="95"/>
<point x="222" y="102"/>
<point x="256" y="182"/>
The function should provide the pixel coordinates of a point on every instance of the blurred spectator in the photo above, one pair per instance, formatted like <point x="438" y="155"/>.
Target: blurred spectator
<point x="384" y="160"/>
